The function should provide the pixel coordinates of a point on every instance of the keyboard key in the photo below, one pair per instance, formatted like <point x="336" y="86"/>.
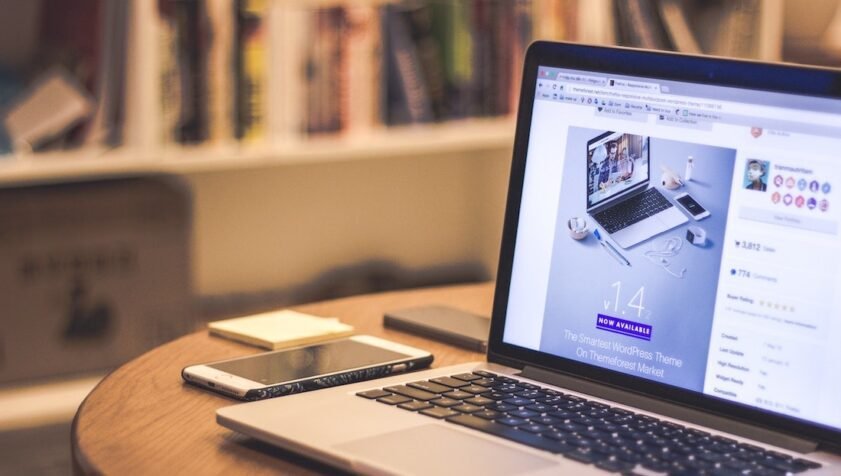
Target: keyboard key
<point x="539" y="408"/>
<point x="580" y="442"/>
<point x="429" y="386"/>
<point x="545" y="420"/>
<point x="807" y="463"/>
<point x="583" y="455"/>
<point x="570" y="427"/>
<point x="466" y="408"/>
<point x="498" y="396"/>
<point x="775" y="454"/>
<point x="476" y="389"/>
<point x="595" y="434"/>
<point x="749" y="447"/>
<point x="487" y="382"/>
<point x="737" y="465"/>
<point x="394" y="399"/>
<point x="523" y="414"/>
<point x="561" y="414"/>
<point x="584" y="420"/>
<point x="488" y="414"/>
<point x="645" y="418"/>
<point x="534" y="428"/>
<point x="502" y="407"/>
<point x="411" y="392"/>
<point x="439" y="412"/>
<point x="519" y="402"/>
<point x="672" y="426"/>
<point x="479" y="400"/>
<point x="614" y="465"/>
<point x="531" y="394"/>
<point x="449" y="382"/>
<point x="445" y="402"/>
<point x="505" y="379"/>
<point x="556" y="435"/>
<point x="415" y="405"/>
<point x="458" y="395"/>
<point x="510" y="421"/>
<point x="713" y="457"/>
<point x="467" y="377"/>
<point x="509" y="433"/>
<point x="373" y="394"/>
<point x="484" y="373"/>
<point x="781" y="465"/>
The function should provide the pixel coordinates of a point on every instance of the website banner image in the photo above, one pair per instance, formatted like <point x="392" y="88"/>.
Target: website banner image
<point x="644" y="309"/>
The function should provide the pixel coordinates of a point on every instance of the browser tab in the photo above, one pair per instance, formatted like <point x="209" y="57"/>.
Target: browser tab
<point x="582" y="78"/>
<point x="633" y="85"/>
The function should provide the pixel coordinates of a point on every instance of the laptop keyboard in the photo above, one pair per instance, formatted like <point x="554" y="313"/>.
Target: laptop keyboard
<point x="632" y="210"/>
<point x="612" y="439"/>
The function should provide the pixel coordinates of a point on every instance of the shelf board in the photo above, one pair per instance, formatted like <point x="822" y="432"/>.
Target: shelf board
<point x="44" y="403"/>
<point x="468" y="136"/>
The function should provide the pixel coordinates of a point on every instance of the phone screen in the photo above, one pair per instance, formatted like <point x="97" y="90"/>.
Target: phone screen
<point x="287" y="365"/>
<point x="691" y="205"/>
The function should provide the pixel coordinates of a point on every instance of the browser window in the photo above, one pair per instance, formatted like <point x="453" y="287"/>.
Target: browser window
<point x="741" y="301"/>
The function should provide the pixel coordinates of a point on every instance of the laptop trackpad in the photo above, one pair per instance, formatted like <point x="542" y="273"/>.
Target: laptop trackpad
<point x="438" y="449"/>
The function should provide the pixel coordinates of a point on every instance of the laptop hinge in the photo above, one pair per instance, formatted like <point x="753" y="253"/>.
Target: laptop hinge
<point x="672" y="410"/>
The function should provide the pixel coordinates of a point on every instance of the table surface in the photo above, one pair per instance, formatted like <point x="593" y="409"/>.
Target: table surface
<point x="143" y="419"/>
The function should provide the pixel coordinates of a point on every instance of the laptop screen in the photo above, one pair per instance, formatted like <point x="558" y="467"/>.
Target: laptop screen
<point x="617" y="163"/>
<point x="740" y="301"/>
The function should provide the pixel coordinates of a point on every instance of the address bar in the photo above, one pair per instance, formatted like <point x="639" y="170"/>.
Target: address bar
<point x="695" y="103"/>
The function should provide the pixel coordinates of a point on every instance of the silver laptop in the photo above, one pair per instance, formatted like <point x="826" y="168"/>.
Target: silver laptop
<point x="715" y="352"/>
<point x="619" y="195"/>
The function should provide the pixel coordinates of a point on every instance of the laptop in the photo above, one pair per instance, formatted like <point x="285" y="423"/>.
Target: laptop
<point x="619" y="195"/>
<point x="714" y="355"/>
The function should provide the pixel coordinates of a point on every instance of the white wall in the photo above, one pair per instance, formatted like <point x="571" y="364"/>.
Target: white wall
<point x="269" y="228"/>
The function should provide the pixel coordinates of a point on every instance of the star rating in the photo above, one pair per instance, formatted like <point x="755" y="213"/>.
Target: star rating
<point x="776" y="306"/>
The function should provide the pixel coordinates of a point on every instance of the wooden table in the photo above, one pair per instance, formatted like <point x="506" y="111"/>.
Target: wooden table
<point x="142" y="419"/>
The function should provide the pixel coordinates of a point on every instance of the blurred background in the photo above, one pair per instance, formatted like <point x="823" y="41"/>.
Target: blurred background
<point x="165" y="163"/>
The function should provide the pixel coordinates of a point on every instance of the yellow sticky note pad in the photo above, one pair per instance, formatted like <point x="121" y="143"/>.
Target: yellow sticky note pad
<point x="279" y="329"/>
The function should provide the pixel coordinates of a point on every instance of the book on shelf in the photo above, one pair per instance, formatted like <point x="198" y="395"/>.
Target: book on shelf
<point x="640" y="25"/>
<point x="250" y="73"/>
<point x="184" y="38"/>
<point x="735" y="28"/>
<point x="77" y="50"/>
<point x="678" y="29"/>
<point x="220" y="75"/>
<point x="361" y="69"/>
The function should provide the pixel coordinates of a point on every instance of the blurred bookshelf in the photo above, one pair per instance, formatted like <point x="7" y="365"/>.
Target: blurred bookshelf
<point x="467" y="136"/>
<point x="193" y="86"/>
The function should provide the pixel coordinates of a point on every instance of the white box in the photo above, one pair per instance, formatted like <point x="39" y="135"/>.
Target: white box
<point x="91" y="274"/>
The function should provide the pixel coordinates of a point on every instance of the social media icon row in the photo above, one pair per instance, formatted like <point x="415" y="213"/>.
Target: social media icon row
<point x="811" y="203"/>
<point x="802" y="184"/>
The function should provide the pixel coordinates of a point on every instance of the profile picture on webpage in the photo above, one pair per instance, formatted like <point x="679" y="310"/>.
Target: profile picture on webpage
<point x="756" y="175"/>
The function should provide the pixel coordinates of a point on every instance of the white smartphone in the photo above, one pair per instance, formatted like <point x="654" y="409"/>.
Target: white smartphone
<point x="691" y="206"/>
<point x="300" y="369"/>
